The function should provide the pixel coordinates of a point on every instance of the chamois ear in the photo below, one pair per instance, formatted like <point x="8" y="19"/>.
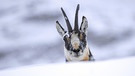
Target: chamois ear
<point x="84" y="25"/>
<point x="60" y="29"/>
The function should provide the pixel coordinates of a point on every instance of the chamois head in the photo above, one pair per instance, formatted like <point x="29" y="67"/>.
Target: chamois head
<point x="75" y="39"/>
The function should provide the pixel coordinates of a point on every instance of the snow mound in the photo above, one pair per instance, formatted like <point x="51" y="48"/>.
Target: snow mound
<point x="117" y="67"/>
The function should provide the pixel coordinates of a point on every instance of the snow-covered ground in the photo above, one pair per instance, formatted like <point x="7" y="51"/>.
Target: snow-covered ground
<point x="117" y="67"/>
<point x="28" y="34"/>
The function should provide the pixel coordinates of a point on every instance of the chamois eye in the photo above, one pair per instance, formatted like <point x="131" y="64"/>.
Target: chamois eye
<point x="66" y="39"/>
<point x="81" y="36"/>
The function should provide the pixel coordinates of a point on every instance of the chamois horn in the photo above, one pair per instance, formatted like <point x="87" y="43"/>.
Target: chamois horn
<point x="67" y="21"/>
<point x="76" y="19"/>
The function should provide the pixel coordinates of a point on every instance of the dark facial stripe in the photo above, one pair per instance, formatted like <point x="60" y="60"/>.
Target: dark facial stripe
<point x="82" y="38"/>
<point x="67" y="42"/>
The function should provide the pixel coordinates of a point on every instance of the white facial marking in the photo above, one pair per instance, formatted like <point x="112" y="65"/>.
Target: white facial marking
<point x="75" y="41"/>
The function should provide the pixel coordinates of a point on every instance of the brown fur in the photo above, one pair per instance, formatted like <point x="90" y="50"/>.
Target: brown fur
<point x="81" y="36"/>
<point x="76" y="45"/>
<point x="86" y="58"/>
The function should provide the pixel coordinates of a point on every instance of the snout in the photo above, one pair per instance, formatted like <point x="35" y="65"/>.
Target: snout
<point x="75" y="45"/>
<point x="76" y="52"/>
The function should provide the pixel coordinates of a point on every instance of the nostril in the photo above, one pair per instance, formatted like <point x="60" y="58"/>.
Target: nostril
<point x="76" y="51"/>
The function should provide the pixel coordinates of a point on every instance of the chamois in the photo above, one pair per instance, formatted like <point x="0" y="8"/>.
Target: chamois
<point x="76" y="45"/>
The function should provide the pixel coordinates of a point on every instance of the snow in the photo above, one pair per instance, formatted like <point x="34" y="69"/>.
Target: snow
<point x="28" y="34"/>
<point x="115" y="67"/>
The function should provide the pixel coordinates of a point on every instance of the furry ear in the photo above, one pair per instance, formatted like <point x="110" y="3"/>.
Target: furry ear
<point x="84" y="25"/>
<point x="60" y="29"/>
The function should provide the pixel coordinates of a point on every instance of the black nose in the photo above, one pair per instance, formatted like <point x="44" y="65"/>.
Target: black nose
<point x="76" y="51"/>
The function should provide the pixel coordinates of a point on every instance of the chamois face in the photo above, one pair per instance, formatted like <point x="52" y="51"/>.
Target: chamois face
<point x="74" y="39"/>
<point x="75" y="43"/>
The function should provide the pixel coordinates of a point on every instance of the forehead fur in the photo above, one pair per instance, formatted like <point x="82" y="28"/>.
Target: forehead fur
<point x="74" y="36"/>
<point x="75" y="41"/>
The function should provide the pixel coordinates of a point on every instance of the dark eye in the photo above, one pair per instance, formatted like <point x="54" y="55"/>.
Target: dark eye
<point x="82" y="36"/>
<point x="66" y="39"/>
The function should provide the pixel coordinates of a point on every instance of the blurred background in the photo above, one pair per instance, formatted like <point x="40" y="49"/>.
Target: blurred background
<point x="28" y="35"/>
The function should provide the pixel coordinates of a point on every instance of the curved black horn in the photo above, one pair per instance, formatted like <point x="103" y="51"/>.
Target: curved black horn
<point x="76" y="19"/>
<point x="67" y="21"/>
